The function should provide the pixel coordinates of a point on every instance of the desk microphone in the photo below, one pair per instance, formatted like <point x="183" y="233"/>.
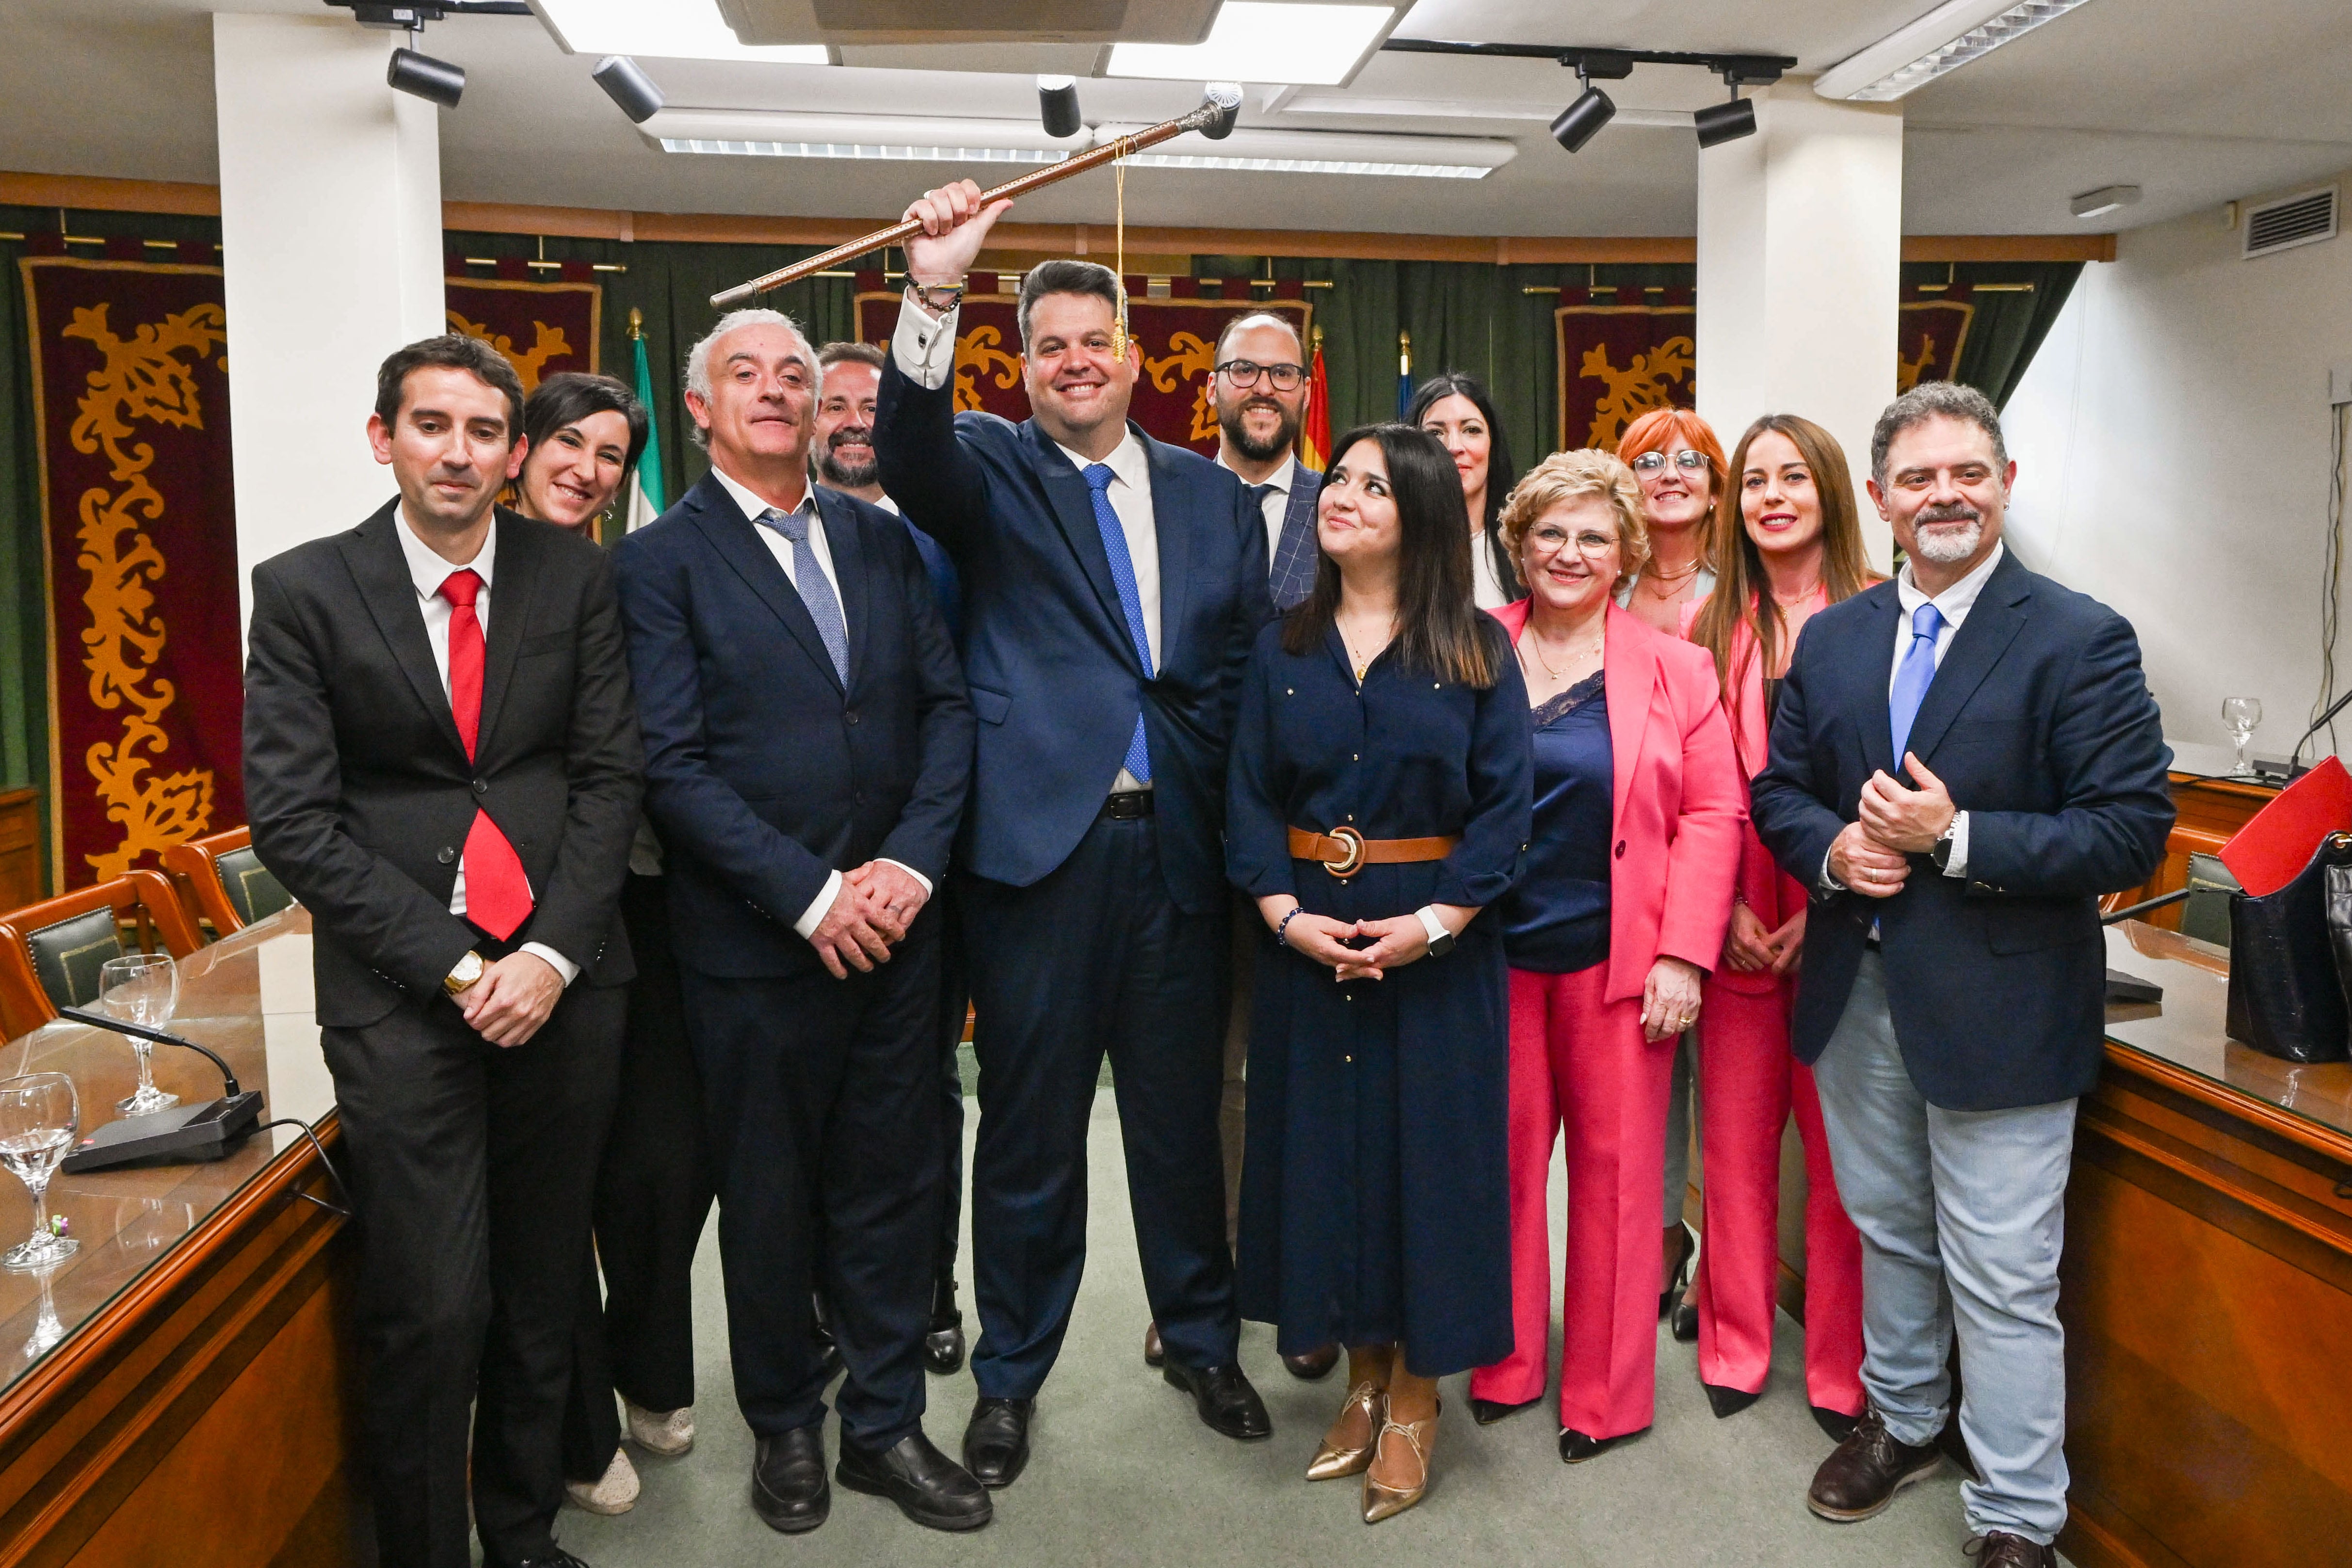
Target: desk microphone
<point x="208" y="1131"/>
<point x="2294" y="768"/>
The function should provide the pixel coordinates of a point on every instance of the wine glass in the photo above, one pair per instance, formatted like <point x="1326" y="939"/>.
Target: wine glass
<point x="39" y="1115"/>
<point x="141" y="988"/>
<point x="2240" y="715"/>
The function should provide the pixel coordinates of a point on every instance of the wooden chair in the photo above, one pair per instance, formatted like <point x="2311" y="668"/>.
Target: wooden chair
<point x="222" y="882"/>
<point x="50" y="952"/>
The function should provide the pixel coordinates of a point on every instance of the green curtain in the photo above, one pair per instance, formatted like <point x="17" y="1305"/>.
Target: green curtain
<point x="2011" y="320"/>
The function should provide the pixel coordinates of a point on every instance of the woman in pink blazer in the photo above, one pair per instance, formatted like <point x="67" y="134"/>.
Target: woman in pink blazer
<point x="1787" y="528"/>
<point x="1617" y="915"/>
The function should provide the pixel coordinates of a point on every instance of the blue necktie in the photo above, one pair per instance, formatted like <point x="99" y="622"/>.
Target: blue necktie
<point x="1913" y="675"/>
<point x="1130" y="599"/>
<point x="816" y="588"/>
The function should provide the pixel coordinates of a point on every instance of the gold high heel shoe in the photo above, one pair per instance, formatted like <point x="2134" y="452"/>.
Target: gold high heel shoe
<point x="1384" y="1502"/>
<point x="1331" y="1463"/>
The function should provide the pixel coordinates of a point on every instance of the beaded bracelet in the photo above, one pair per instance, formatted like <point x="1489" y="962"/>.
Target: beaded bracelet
<point x="1281" y="931"/>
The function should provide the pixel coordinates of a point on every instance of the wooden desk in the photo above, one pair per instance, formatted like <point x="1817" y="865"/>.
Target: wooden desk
<point x="2208" y="1289"/>
<point x="199" y="1410"/>
<point x="2210" y="810"/>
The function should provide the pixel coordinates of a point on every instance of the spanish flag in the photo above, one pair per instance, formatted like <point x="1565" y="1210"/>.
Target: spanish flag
<point x="1314" y="442"/>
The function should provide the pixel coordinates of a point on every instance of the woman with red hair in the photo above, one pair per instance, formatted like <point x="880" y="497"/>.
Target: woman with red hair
<point x="1787" y="543"/>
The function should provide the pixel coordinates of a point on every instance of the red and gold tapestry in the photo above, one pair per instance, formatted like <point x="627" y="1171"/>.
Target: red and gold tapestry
<point x="1617" y="361"/>
<point x="541" y="328"/>
<point x="145" y="668"/>
<point x="1176" y="340"/>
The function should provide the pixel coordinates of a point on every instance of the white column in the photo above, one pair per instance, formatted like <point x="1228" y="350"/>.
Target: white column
<point x="330" y="234"/>
<point x="1799" y="252"/>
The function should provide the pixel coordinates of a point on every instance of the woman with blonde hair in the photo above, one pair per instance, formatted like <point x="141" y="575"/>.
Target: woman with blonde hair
<point x="1609" y="931"/>
<point x="1786" y="544"/>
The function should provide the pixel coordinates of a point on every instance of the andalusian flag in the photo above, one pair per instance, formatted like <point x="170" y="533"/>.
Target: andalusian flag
<point x="1315" y="442"/>
<point x="647" y="495"/>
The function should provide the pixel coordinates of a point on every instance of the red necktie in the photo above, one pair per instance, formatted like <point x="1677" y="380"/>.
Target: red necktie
<point x="497" y="894"/>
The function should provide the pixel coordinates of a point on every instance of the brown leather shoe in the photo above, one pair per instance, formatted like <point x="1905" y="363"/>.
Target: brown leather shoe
<point x="1315" y="1366"/>
<point x="1154" y="1352"/>
<point x="1862" y="1477"/>
<point x="1999" y="1549"/>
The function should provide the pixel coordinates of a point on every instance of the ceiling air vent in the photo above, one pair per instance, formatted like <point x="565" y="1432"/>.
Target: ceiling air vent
<point x="2291" y="221"/>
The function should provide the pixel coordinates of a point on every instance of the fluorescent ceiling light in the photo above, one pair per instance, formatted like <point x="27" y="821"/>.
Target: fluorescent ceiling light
<point x="1940" y="42"/>
<point x="1540" y="111"/>
<point x="1323" y="153"/>
<point x="1253" y="40"/>
<point x="755" y="133"/>
<point x="663" y="29"/>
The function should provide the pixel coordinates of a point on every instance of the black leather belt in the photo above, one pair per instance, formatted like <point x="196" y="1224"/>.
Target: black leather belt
<point x="1127" y="806"/>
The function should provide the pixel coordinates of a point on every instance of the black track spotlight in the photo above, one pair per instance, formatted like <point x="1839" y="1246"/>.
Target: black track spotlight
<point x="625" y="83"/>
<point x="1720" y="122"/>
<point x="425" y="77"/>
<point x="1580" y="122"/>
<point x="1057" y="105"/>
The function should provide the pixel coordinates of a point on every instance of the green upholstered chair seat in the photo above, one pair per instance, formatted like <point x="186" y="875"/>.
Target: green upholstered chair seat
<point x="253" y="892"/>
<point x="67" y="957"/>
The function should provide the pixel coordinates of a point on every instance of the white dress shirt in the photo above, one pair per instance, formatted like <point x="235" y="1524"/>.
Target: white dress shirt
<point x="427" y="572"/>
<point x="1487" y="591"/>
<point x="1274" y="504"/>
<point x="782" y="548"/>
<point x="924" y="347"/>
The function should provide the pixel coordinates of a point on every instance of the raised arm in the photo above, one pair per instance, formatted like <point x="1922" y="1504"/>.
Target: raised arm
<point x="293" y="786"/>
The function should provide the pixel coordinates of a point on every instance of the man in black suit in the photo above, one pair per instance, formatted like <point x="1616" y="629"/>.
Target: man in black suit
<point x="1963" y="760"/>
<point x="1112" y="586"/>
<point x="441" y="762"/>
<point x="808" y="744"/>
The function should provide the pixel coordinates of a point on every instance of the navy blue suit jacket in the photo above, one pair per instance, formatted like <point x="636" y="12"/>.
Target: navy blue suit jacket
<point x="2042" y="726"/>
<point x="762" y="774"/>
<point x="1054" y="677"/>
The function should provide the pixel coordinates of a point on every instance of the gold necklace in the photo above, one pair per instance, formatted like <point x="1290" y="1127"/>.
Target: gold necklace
<point x="1364" y="664"/>
<point x="1673" y="578"/>
<point x="1533" y="640"/>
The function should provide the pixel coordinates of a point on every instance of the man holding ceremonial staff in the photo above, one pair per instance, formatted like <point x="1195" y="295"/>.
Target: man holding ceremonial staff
<point x="1112" y="586"/>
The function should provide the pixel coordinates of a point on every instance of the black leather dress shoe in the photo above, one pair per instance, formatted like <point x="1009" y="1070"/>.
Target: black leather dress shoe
<point x="1683" y="1322"/>
<point x="996" y="1440"/>
<point x="1227" y="1403"/>
<point x="1868" y="1468"/>
<point x="1314" y="1366"/>
<point x="1728" y="1401"/>
<point x="1575" y="1447"/>
<point x="928" y="1487"/>
<point x="943" y="1341"/>
<point x="1154" y="1352"/>
<point x="789" y="1491"/>
<point x="1836" y="1423"/>
<point x="1487" y="1412"/>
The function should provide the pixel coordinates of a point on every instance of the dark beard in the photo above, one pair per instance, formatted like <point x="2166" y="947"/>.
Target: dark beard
<point x="844" y="476"/>
<point x="1260" y="451"/>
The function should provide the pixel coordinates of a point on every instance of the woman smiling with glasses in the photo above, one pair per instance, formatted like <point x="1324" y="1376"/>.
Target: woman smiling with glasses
<point x="1678" y="463"/>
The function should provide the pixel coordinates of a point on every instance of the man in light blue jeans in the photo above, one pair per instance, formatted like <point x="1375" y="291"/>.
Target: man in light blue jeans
<point x="1963" y="759"/>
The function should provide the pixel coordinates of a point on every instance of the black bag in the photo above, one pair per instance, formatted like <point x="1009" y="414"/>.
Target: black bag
<point x="2285" y="998"/>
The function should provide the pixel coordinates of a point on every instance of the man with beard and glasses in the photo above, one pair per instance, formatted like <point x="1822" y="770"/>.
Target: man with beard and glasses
<point x="1963" y="759"/>
<point x="1259" y="392"/>
<point x="841" y="450"/>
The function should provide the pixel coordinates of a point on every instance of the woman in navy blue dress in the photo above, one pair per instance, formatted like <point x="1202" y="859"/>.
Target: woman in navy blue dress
<point x="1379" y="800"/>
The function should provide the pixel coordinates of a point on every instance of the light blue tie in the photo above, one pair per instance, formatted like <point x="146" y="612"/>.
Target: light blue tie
<point x="816" y="588"/>
<point x="1913" y="675"/>
<point x="1130" y="599"/>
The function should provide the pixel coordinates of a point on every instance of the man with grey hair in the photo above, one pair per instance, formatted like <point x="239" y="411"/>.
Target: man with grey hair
<point x="808" y="742"/>
<point x="1112" y="588"/>
<point x="1963" y="759"/>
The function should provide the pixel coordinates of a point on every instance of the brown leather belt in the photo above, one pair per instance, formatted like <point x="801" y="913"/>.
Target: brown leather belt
<point x="1343" y="852"/>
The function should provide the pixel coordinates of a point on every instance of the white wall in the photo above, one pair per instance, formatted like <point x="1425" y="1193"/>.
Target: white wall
<point x="2172" y="443"/>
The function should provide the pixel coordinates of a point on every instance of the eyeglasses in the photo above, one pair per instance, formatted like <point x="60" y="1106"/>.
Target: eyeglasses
<point x="1245" y="373"/>
<point x="1686" y="460"/>
<point x="1591" y="546"/>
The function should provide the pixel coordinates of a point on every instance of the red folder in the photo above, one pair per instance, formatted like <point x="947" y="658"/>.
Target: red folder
<point x="2271" y="848"/>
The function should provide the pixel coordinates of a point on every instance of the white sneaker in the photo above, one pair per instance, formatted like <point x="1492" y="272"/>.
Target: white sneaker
<point x="665" y="1432"/>
<point x="616" y="1494"/>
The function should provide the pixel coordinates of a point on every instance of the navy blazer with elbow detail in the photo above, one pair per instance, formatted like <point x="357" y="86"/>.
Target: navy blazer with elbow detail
<point x="763" y="774"/>
<point x="1054" y="677"/>
<point x="2041" y="725"/>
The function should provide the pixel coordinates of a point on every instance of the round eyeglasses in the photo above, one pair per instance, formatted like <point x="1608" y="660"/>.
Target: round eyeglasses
<point x="1245" y="373"/>
<point x="1688" y="460"/>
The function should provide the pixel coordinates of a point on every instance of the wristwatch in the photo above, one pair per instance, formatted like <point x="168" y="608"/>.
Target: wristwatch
<point x="1942" y="852"/>
<point x="463" y="977"/>
<point x="1441" y="940"/>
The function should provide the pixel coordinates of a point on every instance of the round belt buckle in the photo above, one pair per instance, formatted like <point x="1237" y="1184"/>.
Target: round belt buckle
<point x="1347" y="868"/>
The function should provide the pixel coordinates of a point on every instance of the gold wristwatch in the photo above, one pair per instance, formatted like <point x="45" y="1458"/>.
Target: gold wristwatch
<point x="462" y="978"/>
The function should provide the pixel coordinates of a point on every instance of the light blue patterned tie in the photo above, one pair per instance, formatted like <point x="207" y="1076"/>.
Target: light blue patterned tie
<point x="1130" y="600"/>
<point x="816" y="588"/>
<point x="1913" y="675"/>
